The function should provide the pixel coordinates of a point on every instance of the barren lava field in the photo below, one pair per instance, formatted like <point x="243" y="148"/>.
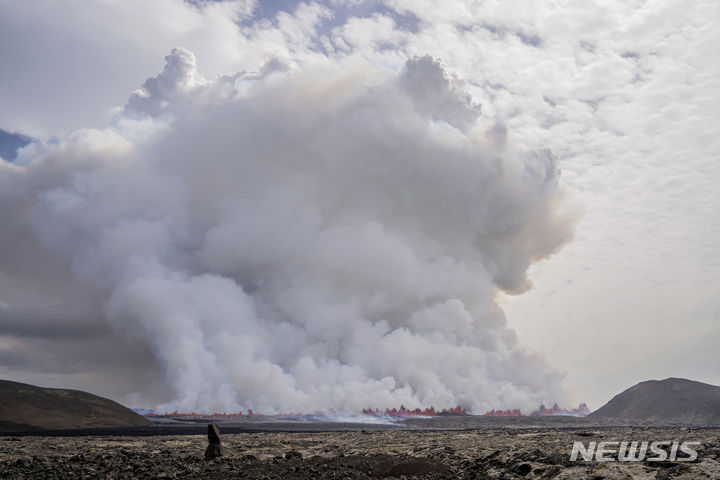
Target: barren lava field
<point x="465" y="447"/>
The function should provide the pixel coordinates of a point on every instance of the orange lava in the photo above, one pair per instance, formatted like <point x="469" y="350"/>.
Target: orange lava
<point x="581" y="410"/>
<point x="418" y="412"/>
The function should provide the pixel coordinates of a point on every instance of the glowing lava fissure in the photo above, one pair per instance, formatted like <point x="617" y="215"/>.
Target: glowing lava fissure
<point x="581" y="411"/>
<point x="388" y="412"/>
<point x="418" y="412"/>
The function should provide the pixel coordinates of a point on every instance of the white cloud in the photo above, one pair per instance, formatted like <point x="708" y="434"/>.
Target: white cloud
<point x="82" y="58"/>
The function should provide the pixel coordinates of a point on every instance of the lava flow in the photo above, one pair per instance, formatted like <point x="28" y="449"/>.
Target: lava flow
<point x="418" y="412"/>
<point x="580" y="411"/>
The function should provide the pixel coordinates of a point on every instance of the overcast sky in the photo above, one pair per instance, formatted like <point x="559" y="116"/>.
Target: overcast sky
<point x="626" y="244"/>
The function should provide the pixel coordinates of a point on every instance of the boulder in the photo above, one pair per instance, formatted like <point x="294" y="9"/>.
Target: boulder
<point x="214" y="449"/>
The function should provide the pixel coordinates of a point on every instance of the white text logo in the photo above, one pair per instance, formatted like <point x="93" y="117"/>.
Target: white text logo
<point x="673" y="451"/>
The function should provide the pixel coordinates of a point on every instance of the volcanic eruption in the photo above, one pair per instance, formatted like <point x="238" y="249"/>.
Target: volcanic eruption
<point x="307" y="237"/>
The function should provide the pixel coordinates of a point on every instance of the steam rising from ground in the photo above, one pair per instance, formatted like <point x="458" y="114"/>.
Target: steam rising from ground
<point x="299" y="239"/>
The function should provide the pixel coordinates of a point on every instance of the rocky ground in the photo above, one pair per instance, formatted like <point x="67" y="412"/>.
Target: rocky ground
<point x="507" y="453"/>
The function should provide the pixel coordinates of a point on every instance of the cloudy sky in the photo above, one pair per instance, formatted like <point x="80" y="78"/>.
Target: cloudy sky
<point x="343" y="197"/>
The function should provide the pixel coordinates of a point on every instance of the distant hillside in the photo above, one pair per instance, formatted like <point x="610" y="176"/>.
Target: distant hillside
<point x="673" y="400"/>
<point x="26" y="407"/>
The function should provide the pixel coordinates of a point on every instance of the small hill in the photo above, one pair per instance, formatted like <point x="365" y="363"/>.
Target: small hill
<point x="673" y="400"/>
<point x="26" y="407"/>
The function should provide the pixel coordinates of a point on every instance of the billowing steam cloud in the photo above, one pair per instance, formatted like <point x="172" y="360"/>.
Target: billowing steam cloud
<point x="296" y="239"/>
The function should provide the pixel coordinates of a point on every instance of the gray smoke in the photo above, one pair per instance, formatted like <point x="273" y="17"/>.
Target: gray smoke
<point x="298" y="239"/>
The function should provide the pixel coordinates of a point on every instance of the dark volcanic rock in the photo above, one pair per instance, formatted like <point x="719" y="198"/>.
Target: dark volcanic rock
<point x="673" y="400"/>
<point x="213" y="449"/>
<point x="293" y="454"/>
<point x="213" y="433"/>
<point x="522" y="468"/>
<point x="26" y="407"/>
<point x="411" y="468"/>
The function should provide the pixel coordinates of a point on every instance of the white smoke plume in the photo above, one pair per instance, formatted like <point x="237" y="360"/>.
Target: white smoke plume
<point x="304" y="238"/>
